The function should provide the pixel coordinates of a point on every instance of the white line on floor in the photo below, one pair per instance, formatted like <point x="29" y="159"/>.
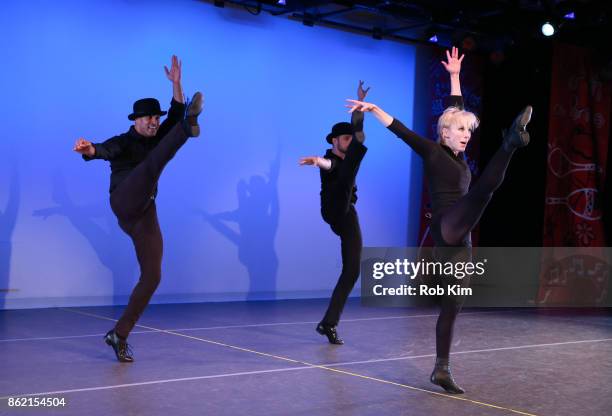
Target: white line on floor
<point x="206" y="328"/>
<point x="331" y="365"/>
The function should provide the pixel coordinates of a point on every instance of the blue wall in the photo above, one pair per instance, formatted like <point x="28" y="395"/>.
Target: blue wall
<point x="272" y="87"/>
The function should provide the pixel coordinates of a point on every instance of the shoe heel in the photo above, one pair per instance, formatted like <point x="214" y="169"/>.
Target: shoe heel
<point x="517" y="135"/>
<point x="107" y="338"/>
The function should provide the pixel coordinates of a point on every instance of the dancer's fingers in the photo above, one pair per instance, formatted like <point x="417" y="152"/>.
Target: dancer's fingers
<point x="307" y="160"/>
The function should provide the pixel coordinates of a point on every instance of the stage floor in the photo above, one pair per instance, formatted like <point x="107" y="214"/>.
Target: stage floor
<point x="265" y="358"/>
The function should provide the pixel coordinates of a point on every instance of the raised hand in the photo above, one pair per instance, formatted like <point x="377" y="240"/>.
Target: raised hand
<point x="84" y="147"/>
<point x="174" y="73"/>
<point x="361" y="93"/>
<point x="453" y="64"/>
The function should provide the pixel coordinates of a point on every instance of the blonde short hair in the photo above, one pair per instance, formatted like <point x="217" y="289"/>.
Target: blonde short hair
<point x="454" y="115"/>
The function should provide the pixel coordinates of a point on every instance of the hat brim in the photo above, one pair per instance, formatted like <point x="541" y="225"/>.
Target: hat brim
<point x="330" y="137"/>
<point x="134" y="116"/>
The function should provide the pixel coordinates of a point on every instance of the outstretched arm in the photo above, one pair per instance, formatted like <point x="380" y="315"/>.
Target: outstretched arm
<point x="361" y="106"/>
<point x="453" y="67"/>
<point x="420" y="144"/>
<point x="174" y="75"/>
<point x="108" y="150"/>
<point x="320" y="162"/>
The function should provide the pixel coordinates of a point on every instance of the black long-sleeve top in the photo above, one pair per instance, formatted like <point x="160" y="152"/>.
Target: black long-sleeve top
<point x="127" y="150"/>
<point x="448" y="174"/>
<point x="330" y="178"/>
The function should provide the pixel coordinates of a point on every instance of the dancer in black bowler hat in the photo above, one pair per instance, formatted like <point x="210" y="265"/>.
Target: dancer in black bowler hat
<point x="137" y="159"/>
<point x="338" y="170"/>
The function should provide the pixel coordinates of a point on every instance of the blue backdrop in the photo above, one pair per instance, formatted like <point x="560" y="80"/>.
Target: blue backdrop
<point x="240" y="219"/>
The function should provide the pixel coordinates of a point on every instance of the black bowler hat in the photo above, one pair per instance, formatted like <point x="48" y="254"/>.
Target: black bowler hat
<point x="338" y="130"/>
<point x="146" y="107"/>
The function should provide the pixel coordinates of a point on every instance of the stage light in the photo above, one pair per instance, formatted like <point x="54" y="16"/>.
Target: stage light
<point x="282" y="2"/>
<point x="430" y="34"/>
<point x="570" y="16"/>
<point x="548" y="29"/>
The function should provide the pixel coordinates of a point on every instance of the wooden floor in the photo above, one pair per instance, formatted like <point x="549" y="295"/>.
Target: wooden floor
<point x="265" y="358"/>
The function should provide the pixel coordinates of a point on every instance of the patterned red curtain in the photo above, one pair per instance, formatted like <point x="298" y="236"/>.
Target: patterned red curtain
<point x="579" y="127"/>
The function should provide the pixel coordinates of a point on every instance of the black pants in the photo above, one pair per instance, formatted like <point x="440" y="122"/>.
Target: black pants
<point x="339" y="212"/>
<point x="452" y="227"/>
<point x="133" y="203"/>
<point x="347" y="228"/>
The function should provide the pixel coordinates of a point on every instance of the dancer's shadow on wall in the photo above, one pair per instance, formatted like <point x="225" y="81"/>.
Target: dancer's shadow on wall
<point x="99" y="227"/>
<point x="8" y="219"/>
<point x="257" y="218"/>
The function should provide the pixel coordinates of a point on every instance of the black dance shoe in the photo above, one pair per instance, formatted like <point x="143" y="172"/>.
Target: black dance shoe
<point x="442" y="376"/>
<point x="194" y="109"/>
<point x="330" y="333"/>
<point x="121" y="347"/>
<point x="517" y="135"/>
